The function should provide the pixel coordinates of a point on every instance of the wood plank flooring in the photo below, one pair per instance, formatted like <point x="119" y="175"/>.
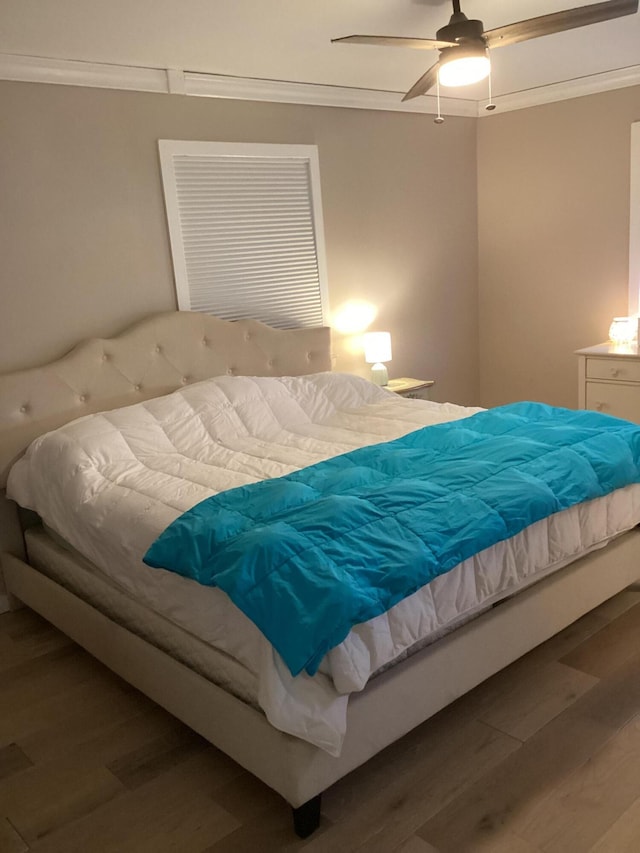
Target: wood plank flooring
<point x="544" y="757"/>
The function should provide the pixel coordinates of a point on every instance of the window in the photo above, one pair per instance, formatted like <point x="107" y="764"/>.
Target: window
<point x="634" y="230"/>
<point x="245" y="225"/>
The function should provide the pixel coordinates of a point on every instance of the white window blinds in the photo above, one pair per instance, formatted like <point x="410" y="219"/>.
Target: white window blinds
<point x="246" y="234"/>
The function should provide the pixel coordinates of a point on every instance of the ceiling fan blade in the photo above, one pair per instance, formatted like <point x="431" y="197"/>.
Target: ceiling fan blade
<point x="425" y="83"/>
<point x="397" y="41"/>
<point x="558" y="22"/>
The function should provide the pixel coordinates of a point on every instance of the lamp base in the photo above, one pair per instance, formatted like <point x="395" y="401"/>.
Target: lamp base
<point x="379" y="375"/>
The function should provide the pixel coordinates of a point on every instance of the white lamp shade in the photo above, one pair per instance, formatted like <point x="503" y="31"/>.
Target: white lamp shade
<point x="623" y="330"/>
<point x="377" y="347"/>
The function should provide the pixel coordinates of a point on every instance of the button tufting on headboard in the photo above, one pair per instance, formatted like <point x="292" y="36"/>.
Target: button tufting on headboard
<point x="165" y="351"/>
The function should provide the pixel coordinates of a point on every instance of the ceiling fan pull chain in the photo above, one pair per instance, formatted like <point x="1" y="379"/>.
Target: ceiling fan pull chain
<point x="438" y="119"/>
<point x="490" y="106"/>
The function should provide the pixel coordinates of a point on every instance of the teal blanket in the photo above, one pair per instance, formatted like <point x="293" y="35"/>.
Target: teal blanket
<point x="311" y="554"/>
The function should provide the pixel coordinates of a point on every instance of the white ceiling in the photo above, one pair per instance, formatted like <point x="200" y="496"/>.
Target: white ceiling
<point x="289" y="40"/>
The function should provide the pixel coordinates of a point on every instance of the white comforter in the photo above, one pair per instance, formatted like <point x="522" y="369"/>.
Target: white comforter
<point x="110" y="483"/>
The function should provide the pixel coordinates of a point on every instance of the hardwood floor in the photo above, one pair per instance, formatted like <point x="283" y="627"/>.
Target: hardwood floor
<point x="543" y="757"/>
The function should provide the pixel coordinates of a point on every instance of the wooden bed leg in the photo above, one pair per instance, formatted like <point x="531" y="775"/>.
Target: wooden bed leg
<point x="306" y="818"/>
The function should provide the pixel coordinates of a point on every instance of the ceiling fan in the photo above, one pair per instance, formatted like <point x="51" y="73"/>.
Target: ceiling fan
<point x="464" y="43"/>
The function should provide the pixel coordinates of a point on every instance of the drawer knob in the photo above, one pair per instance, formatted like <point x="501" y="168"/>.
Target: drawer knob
<point x="600" y="406"/>
<point x="615" y="371"/>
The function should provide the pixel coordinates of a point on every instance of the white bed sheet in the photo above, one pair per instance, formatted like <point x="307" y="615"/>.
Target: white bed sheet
<point x="110" y="483"/>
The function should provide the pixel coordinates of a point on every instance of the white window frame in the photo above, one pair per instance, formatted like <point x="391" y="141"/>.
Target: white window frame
<point x="634" y="222"/>
<point x="306" y="153"/>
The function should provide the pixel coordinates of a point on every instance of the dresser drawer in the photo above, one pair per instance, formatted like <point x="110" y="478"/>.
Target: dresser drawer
<point x="619" y="369"/>
<point x="611" y="398"/>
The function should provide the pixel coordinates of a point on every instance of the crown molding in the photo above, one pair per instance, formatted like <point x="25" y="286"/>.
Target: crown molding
<point x="70" y="72"/>
<point x="577" y="88"/>
<point x="249" y="89"/>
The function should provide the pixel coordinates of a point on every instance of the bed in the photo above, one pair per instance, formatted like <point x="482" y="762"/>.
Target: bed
<point x="299" y="756"/>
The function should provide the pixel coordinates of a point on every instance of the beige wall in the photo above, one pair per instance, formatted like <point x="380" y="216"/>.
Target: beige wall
<point x="83" y="237"/>
<point x="84" y="246"/>
<point x="553" y="219"/>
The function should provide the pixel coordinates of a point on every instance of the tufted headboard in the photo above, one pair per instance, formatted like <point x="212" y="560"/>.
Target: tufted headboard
<point x="151" y="358"/>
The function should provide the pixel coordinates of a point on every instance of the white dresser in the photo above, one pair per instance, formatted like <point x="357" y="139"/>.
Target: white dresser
<point x="609" y="380"/>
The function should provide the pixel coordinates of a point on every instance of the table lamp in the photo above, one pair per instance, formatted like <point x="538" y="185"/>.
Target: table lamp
<point x="377" y="350"/>
<point x="623" y="330"/>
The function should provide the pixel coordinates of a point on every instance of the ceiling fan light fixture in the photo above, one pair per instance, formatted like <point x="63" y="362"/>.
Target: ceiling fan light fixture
<point x="463" y="43"/>
<point x="463" y="70"/>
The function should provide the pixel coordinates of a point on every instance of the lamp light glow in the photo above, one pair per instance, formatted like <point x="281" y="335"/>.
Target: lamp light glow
<point x="623" y="330"/>
<point x="353" y="317"/>
<point x="464" y="70"/>
<point x="377" y="349"/>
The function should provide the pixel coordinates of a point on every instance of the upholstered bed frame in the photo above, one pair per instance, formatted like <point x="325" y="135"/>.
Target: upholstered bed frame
<point x="157" y="356"/>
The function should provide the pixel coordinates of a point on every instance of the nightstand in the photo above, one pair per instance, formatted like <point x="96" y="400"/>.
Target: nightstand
<point x="411" y="387"/>
<point x="609" y="380"/>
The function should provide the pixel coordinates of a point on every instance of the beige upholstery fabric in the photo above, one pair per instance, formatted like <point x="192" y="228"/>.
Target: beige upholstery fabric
<point x="152" y="358"/>
<point x="391" y="705"/>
